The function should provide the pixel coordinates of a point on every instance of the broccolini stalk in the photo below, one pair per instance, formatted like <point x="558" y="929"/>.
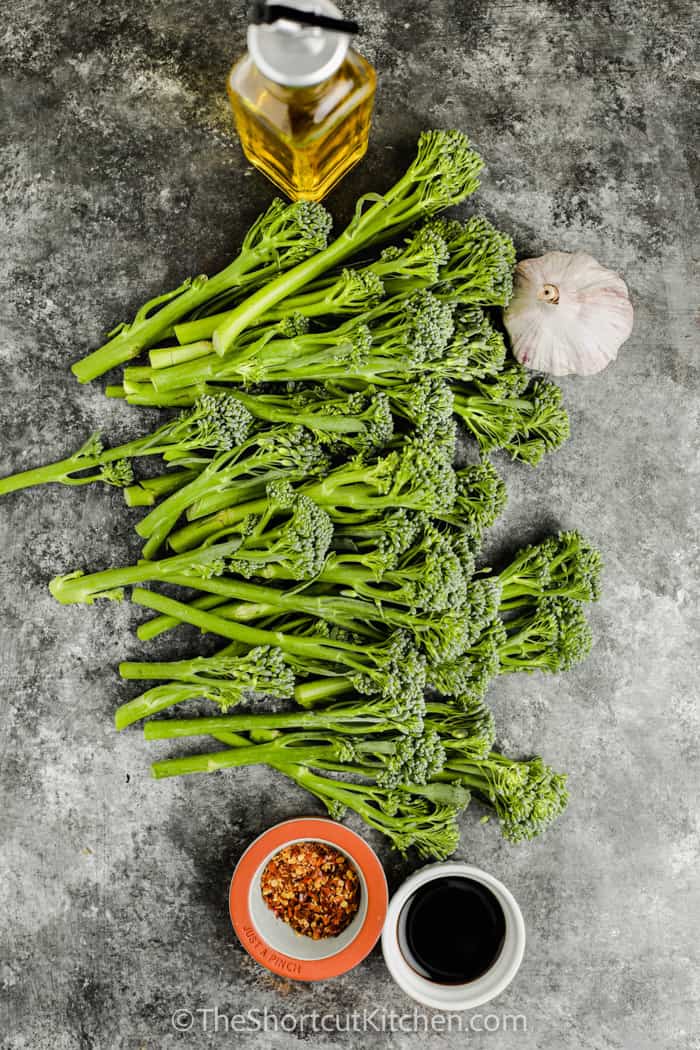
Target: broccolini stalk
<point x="280" y="238"/>
<point x="90" y="463"/>
<point x="443" y="634"/>
<point x="431" y="575"/>
<point x="223" y="679"/>
<point x="361" y="421"/>
<point x="147" y="491"/>
<point x="391" y="667"/>
<point x="283" y="452"/>
<point x="292" y="531"/>
<point x="444" y="172"/>
<point x="158" y="625"/>
<point x="212" y="425"/>
<point x="180" y="360"/>
<point x="409" y="814"/>
<point x="145" y="395"/>
<point x="359" y="716"/>
<point x="418" y="476"/>
<point x="391" y="759"/>
<point x="402" y="337"/>
<point x="353" y="291"/>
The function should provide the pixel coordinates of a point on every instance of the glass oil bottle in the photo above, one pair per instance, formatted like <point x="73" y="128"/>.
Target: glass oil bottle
<point x="302" y="97"/>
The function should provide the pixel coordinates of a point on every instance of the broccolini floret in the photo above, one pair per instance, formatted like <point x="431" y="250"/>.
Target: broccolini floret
<point x="223" y="679"/>
<point x="527" y="796"/>
<point x="506" y="412"/>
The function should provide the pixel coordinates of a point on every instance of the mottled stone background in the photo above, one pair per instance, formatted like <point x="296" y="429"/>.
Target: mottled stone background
<point x="121" y="175"/>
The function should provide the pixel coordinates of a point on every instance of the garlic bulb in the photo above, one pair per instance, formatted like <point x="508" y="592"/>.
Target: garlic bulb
<point x="568" y="314"/>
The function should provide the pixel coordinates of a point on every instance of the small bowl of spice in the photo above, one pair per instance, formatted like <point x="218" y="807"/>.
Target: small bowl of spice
<point x="308" y="899"/>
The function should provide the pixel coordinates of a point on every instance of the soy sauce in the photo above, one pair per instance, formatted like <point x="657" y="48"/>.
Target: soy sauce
<point x="451" y="930"/>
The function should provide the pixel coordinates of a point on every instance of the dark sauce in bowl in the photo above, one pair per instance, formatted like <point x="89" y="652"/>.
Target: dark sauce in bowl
<point x="451" y="930"/>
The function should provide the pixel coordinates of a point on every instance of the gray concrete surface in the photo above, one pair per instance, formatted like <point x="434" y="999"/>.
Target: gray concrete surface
<point x="120" y="174"/>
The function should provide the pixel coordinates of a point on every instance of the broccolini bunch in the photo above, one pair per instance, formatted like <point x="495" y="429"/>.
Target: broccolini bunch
<point x="308" y="509"/>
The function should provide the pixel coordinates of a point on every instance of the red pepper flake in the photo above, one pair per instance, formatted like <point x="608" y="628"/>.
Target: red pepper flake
<point x="313" y="888"/>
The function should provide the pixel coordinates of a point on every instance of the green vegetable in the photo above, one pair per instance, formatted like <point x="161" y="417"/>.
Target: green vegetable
<point x="443" y="634"/>
<point x="479" y="264"/>
<point x="527" y="796"/>
<point x="542" y="624"/>
<point x="448" y="752"/>
<point x="417" y="476"/>
<point x="353" y="291"/>
<point x="400" y="338"/>
<point x="277" y="240"/>
<point x="283" y="453"/>
<point x="507" y="412"/>
<point x="422" y="816"/>
<point x="224" y="679"/>
<point x="444" y="172"/>
<point x="391" y="667"/>
<point x="213" y="424"/>
<point x="292" y="531"/>
<point x="319" y="524"/>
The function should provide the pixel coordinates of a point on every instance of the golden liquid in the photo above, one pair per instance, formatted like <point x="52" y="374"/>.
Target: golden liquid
<point x="304" y="139"/>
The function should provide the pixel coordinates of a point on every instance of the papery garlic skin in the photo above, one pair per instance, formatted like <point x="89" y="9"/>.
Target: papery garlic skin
<point x="568" y="314"/>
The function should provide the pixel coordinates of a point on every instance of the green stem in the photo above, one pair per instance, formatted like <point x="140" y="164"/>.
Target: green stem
<point x="160" y="624"/>
<point x="309" y="648"/>
<point x="247" y="312"/>
<point x="257" y="754"/>
<point x="151" y="702"/>
<point x="146" y="492"/>
<point x="167" y="356"/>
<point x="238" y="756"/>
<point x="52" y="472"/>
<point x="187" y="727"/>
<point x="307" y="694"/>
<point x="147" y="329"/>
<point x="76" y="587"/>
<point x="144" y="395"/>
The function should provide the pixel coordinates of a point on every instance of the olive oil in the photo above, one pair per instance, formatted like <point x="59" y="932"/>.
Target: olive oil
<point x="302" y="101"/>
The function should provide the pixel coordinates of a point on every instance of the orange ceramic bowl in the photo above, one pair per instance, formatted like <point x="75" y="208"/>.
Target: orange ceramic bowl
<point x="273" y="943"/>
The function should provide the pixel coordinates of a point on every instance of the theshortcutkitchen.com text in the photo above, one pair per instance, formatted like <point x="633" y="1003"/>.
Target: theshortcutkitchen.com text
<point x="217" y="1020"/>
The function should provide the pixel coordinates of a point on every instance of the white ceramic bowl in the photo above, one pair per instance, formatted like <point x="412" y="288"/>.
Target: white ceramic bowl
<point x="280" y="935"/>
<point x="454" y="996"/>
